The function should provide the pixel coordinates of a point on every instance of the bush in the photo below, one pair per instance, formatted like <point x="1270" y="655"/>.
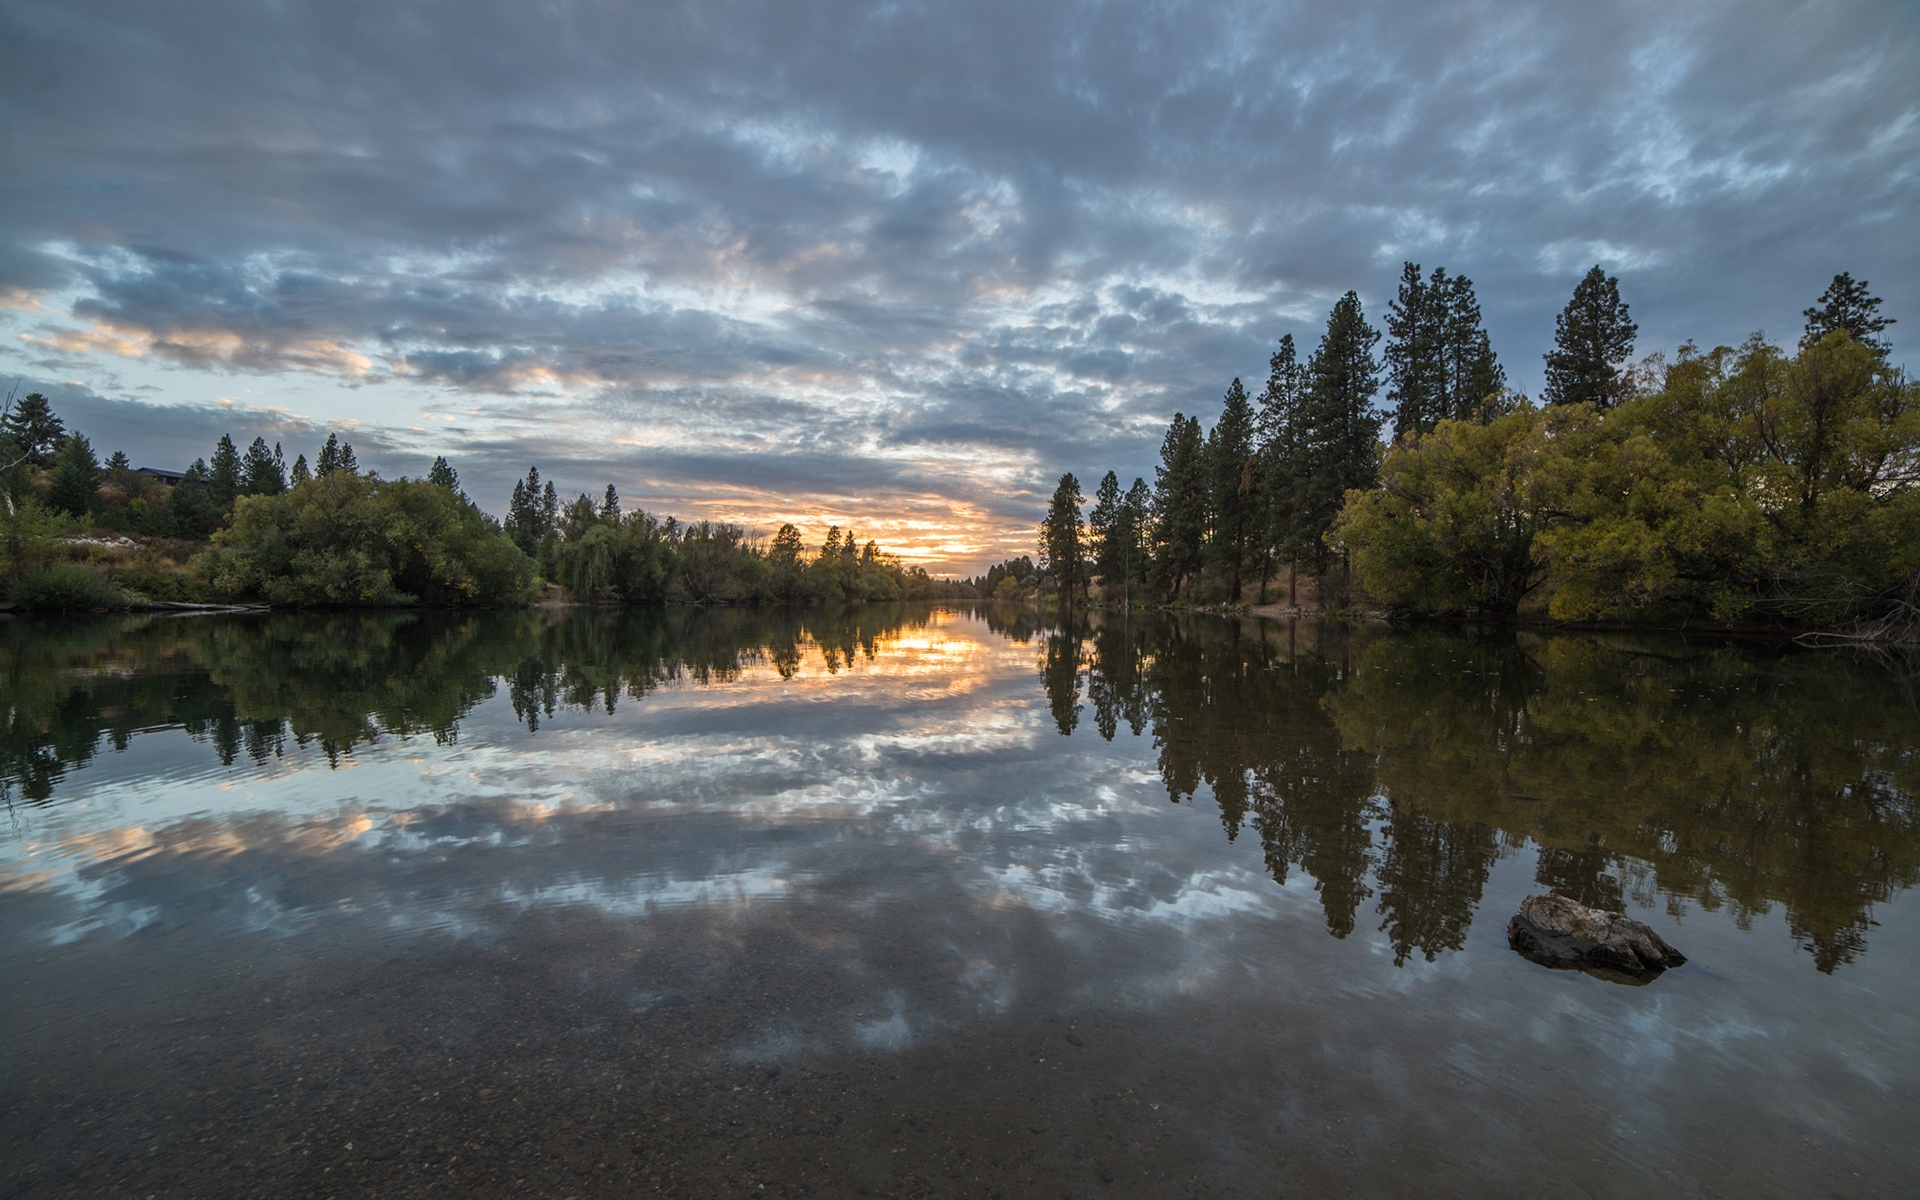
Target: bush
<point x="68" y="587"/>
<point x="350" y="539"/>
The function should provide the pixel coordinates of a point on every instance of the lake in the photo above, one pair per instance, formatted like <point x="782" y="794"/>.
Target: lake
<point x="943" y="902"/>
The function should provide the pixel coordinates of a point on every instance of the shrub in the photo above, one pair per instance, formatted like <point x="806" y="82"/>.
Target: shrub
<point x="351" y="539"/>
<point x="68" y="587"/>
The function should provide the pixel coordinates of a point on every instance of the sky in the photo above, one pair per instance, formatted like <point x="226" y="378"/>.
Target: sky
<point x="894" y="265"/>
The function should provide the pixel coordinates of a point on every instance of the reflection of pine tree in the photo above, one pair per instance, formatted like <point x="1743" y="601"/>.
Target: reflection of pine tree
<point x="1060" y="673"/>
<point x="1431" y="876"/>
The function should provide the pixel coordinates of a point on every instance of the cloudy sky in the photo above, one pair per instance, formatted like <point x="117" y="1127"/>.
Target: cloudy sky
<point x="898" y="263"/>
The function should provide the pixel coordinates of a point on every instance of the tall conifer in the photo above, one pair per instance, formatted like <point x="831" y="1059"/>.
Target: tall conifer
<point x="1592" y="340"/>
<point x="1340" y="429"/>
<point x="1847" y="305"/>
<point x="1231" y="487"/>
<point x="1061" y="535"/>
<point x="223" y="474"/>
<point x="1179" y="506"/>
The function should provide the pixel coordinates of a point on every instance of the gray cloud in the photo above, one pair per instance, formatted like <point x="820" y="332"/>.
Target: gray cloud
<point x="929" y="250"/>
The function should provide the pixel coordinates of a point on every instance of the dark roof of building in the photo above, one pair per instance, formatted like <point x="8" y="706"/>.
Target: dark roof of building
<point x="160" y="473"/>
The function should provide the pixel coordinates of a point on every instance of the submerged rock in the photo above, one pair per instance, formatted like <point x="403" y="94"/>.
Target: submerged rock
<point x="1557" y="932"/>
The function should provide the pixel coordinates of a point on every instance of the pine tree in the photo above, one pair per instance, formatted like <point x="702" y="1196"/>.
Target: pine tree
<point x="191" y="512"/>
<point x="610" y="505"/>
<point x="1414" y="354"/>
<point x="31" y="425"/>
<point x="76" y="477"/>
<point x="1135" y="515"/>
<point x="1179" y="506"/>
<point x="1061" y="535"/>
<point x="1847" y="305"/>
<point x="1102" y="532"/>
<point x="1232" y="493"/>
<point x="549" y="509"/>
<point x="300" y="472"/>
<point x="119" y="463"/>
<point x="223" y="475"/>
<point x="1281" y="465"/>
<point x="527" y="522"/>
<point x="1440" y="363"/>
<point x="336" y="455"/>
<point x="1340" y="429"/>
<point x="262" y="472"/>
<point x="1592" y="340"/>
<point x="442" y="474"/>
<point x="1472" y="370"/>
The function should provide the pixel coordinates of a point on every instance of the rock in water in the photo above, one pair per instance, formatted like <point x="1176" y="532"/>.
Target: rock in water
<point x="1557" y="932"/>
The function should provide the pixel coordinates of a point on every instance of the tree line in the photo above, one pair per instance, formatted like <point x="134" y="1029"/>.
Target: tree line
<point x="248" y="526"/>
<point x="1732" y="484"/>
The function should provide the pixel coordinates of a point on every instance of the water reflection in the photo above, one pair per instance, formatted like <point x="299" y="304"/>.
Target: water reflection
<point x="1392" y="769"/>
<point x="1406" y="764"/>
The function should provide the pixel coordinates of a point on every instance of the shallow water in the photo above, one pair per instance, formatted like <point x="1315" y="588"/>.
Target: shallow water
<point x="942" y="902"/>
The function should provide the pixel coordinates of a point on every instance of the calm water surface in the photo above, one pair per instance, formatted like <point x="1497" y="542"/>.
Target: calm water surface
<point x="937" y="902"/>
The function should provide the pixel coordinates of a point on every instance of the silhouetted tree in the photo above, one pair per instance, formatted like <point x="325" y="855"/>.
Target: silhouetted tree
<point x="1592" y="340"/>
<point x="1847" y="305"/>
<point x="1061" y="534"/>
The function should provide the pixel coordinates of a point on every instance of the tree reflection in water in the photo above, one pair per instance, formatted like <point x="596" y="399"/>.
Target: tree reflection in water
<point x="1403" y="764"/>
<point x="1392" y="768"/>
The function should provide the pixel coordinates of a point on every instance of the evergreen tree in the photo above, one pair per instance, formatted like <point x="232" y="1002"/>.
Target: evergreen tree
<point x="301" y="473"/>
<point x="527" y="521"/>
<point x="224" y="475"/>
<point x="1340" y="429"/>
<point x="1179" y="506"/>
<point x="32" y="426"/>
<point x="191" y="512"/>
<point x="263" y="471"/>
<point x="1592" y="340"/>
<point x="76" y="477"/>
<point x="549" y="509"/>
<point x="1416" y="333"/>
<point x="442" y="474"/>
<point x="1103" y="523"/>
<point x="1060" y="539"/>
<point x="610" y="505"/>
<point x="1472" y="370"/>
<point x="336" y="455"/>
<point x="119" y="463"/>
<point x="1440" y="363"/>
<point x="1232" y="487"/>
<point x="787" y="571"/>
<point x="1282" y="467"/>
<point x="1847" y="305"/>
<point x="1136" y="508"/>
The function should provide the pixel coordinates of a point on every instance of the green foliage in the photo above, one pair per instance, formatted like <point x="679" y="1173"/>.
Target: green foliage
<point x="1062" y="535"/>
<point x="1179" y="507"/>
<point x="1749" y="485"/>
<point x="335" y="456"/>
<point x="32" y="428"/>
<point x="442" y="474"/>
<point x="1452" y="525"/>
<point x="224" y="477"/>
<point x="263" y="472"/>
<point x="1233" y="489"/>
<point x="76" y="477"/>
<point x="67" y="587"/>
<point x="347" y="539"/>
<point x="30" y="537"/>
<point x="1439" y="359"/>
<point x="1847" y="306"/>
<point x="1339" y="437"/>
<point x="191" y="510"/>
<point x="1592" y="340"/>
